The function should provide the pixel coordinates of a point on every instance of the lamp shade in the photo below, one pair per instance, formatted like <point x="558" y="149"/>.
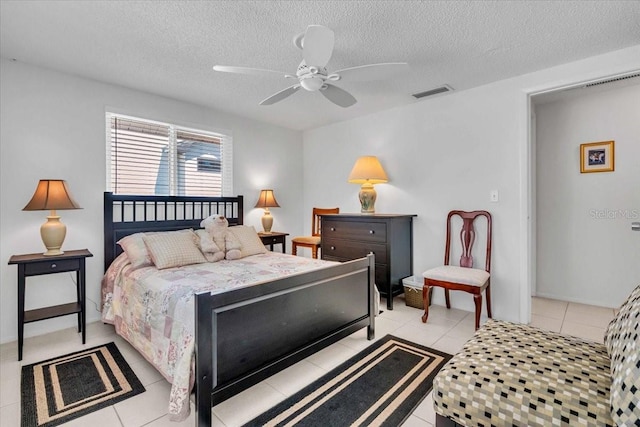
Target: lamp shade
<point x="267" y="200"/>
<point x="367" y="170"/>
<point x="51" y="194"/>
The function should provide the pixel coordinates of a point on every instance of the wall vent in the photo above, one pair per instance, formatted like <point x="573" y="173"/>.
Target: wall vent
<point x="616" y="79"/>
<point x="431" y="92"/>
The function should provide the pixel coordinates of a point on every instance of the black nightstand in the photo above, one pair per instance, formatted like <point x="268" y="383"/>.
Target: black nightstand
<point x="274" y="238"/>
<point x="38" y="264"/>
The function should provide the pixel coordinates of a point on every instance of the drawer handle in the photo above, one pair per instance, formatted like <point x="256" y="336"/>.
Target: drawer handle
<point x="333" y="229"/>
<point x="333" y="248"/>
<point x="53" y="265"/>
<point x="371" y="231"/>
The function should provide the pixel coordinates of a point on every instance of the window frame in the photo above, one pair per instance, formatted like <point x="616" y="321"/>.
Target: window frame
<point x="226" y="151"/>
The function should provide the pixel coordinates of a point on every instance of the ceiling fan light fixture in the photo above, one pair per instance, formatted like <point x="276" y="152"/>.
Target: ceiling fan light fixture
<point x="312" y="83"/>
<point x="317" y="44"/>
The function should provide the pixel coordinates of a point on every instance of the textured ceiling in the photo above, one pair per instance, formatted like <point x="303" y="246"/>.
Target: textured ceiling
<point x="169" y="47"/>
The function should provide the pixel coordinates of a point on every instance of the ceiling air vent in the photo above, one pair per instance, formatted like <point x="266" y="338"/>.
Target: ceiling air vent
<point x="431" y="92"/>
<point x="616" y="79"/>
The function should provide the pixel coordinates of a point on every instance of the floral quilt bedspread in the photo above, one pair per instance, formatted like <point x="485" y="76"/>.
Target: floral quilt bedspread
<point x="154" y="309"/>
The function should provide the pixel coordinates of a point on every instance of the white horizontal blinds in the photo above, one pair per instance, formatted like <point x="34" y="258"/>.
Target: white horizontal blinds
<point x="153" y="158"/>
<point x="199" y="164"/>
<point x="139" y="157"/>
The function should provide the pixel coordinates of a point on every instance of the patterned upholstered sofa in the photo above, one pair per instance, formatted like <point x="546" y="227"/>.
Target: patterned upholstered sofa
<point x="513" y="374"/>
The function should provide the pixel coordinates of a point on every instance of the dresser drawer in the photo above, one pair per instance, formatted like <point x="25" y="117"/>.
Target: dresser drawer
<point x="355" y="230"/>
<point x="348" y="249"/>
<point x="380" y="273"/>
<point x="46" y="267"/>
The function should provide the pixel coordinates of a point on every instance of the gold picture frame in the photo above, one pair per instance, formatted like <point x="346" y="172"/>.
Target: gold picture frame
<point x="597" y="157"/>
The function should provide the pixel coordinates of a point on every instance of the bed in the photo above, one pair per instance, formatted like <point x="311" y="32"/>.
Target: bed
<point x="245" y="334"/>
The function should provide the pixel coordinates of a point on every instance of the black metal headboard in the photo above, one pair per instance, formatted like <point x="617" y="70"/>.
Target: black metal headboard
<point x="127" y="214"/>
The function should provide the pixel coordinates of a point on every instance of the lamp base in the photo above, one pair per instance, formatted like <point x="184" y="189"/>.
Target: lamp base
<point x="367" y="198"/>
<point x="53" y="252"/>
<point x="53" y="233"/>
<point x="267" y="221"/>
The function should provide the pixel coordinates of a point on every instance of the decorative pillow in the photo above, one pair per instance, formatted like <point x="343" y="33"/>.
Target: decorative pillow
<point x="174" y="249"/>
<point x="622" y="339"/>
<point x="133" y="245"/>
<point x="249" y="241"/>
<point x="209" y="249"/>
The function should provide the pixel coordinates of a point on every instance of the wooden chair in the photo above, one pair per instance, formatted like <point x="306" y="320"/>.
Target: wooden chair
<point x="463" y="278"/>
<point x="314" y="240"/>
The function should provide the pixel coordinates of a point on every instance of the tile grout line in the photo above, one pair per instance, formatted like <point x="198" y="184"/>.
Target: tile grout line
<point x="564" y="316"/>
<point x="118" y="415"/>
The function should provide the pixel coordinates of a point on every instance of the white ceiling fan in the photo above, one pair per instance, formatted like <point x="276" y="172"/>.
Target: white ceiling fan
<point x="316" y="44"/>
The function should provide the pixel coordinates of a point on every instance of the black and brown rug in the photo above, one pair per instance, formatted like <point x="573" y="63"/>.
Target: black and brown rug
<point x="63" y="388"/>
<point x="381" y="385"/>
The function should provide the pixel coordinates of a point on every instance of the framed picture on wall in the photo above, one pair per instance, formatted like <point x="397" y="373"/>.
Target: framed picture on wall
<point x="597" y="157"/>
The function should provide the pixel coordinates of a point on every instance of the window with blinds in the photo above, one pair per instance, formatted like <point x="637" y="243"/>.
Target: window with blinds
<point x="152" y="158"/>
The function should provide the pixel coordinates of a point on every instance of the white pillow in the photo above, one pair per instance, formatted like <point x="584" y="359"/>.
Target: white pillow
<point x="133" y="245"/>
<point x="174" y="248"/>
<point x="249" y="240"/>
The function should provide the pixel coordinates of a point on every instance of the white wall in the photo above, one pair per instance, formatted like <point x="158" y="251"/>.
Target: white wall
<point x="449" y="152"/>
<point x="587" y="251"/>
<point x="53" y="126"/>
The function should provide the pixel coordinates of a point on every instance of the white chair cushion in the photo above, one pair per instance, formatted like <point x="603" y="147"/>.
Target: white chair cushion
<point x="455" y="274"/>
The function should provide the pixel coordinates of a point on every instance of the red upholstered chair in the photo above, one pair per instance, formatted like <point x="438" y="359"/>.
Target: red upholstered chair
<point x="314" y="240"/>
<point x="465" y="277"/>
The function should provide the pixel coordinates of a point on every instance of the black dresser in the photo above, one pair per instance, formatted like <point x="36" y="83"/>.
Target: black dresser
<point x="389" y="237"/>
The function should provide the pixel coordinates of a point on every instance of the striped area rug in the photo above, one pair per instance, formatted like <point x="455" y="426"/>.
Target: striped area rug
<point x="380" y="386"/>
<point x="58" y="390"/>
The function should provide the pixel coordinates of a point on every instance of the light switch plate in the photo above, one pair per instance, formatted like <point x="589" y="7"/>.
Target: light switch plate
<point x="494" y="196"/>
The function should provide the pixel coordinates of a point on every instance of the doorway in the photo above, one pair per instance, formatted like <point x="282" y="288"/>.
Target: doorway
<point x="581" y="247"/>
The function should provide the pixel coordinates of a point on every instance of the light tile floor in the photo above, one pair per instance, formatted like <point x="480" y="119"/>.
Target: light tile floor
<point x="447" y="330"/>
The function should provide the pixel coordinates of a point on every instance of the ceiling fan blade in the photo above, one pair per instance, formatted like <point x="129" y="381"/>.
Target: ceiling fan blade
<point x="317" y="45"/>
<point x="373" y="71"/>
<point x="338" y="96"/>
<point x="279" y="96"/>
<point x="246" y="70"/>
